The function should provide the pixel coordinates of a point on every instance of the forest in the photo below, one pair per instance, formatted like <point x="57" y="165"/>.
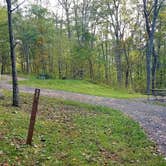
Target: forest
<point x="89" y="79"/>
<point x="115" y="42"/>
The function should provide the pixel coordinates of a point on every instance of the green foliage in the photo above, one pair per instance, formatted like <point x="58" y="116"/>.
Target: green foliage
<point x="38" y="11"/>
<point x="68" y="133"/>
<point x="36" y="36"/>
<point x="4" y="43"/>
<point x="99" y="37"/>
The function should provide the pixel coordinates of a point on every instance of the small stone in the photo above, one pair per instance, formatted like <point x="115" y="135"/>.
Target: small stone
<point x="14" y="112"/>
<point x="35" y="146"/>
<point x="12" y="144"/>
<point x="48" y="158"/>
<point x="42" y="139"/>
<point x="154" y="154"/>
<point x="1" y="96"/>
<point x="1" y="152"/>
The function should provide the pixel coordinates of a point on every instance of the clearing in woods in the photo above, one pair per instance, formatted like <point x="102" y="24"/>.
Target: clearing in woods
<point x="70" y="133"/>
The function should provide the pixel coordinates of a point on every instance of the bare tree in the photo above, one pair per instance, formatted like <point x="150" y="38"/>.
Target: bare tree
<point x="117" y="25"/>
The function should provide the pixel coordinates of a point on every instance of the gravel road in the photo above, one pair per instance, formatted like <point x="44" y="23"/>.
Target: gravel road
<point x="151" y="117"/>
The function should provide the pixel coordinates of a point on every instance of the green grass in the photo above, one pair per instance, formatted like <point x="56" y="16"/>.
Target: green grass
<point x="80" y="86"/>
<point x="70" y="133"/>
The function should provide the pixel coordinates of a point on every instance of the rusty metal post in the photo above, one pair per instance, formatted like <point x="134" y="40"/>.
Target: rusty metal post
<point x="33" y="116"/>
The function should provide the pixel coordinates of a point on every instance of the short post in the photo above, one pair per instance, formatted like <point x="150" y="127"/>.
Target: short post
<point x="33" y="116"/>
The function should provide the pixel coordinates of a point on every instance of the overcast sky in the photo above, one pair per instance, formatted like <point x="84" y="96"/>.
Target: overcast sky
<point x="50" y="4"/>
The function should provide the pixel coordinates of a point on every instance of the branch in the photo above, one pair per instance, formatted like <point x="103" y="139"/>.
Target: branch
<point x="12" y="10"/>
<point x="160" y="5"/>
<point x="150" y="10"/>
<point x="146" y="17"/>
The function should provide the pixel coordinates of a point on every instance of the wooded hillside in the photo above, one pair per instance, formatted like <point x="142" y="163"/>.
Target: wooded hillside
<point x="99" y="40"/>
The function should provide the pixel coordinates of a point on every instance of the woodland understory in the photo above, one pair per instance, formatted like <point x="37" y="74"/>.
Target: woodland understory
<point x="116" y="42"/>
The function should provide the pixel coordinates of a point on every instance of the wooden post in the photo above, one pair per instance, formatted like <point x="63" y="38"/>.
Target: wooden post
<point x="33" y="116"/>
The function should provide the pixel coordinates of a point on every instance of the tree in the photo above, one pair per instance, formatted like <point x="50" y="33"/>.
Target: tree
<point x="151" y="14"/>
<point x="66" y="6"/>
<point x="12" y="55"/>
<point x="100" y="40"/>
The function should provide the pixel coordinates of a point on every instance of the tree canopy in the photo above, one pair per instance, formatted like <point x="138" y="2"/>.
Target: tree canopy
<point x="117" y="42"/>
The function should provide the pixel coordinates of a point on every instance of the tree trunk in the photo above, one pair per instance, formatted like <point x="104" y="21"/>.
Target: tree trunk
<point x="148" y="65"/>
<point x="2" y="68"/>
<point x="26" y="51"/>
<point x="126" y="53"/>
<point x="154" y="67"/>
<point x="90" y="69"/>
<point x="13" y="57"/>
<point x="105" y="62"/>
<point x="28" y="62"/>
<point x="127" y="78"/>
<point x="150" y="21"/>
<point x="118" y="65"/>
<point x="59" y="69"/>
<point x="68" y="23"/>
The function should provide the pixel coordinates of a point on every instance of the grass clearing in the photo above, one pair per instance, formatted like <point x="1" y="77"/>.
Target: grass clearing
<point x="70" y="133"/>
<point x="80" y="86"/>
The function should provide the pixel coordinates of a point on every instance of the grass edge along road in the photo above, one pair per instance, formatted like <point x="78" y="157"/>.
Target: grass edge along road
<point x="80" y="86"/>
<point x="72" y="133"/>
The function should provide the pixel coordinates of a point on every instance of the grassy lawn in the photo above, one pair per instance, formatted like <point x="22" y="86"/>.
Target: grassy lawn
<point x="80" y="86"/>
<point x="70" y="133"/>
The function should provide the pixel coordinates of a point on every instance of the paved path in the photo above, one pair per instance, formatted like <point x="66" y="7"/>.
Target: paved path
<point x="151" y="117"/>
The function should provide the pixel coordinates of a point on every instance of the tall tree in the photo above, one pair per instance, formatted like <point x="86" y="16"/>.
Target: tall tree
<point x="66" y="6"/>
<point x="151" y="14"/>
<point x="12" y="55"/>
<point x="115" y="15"/>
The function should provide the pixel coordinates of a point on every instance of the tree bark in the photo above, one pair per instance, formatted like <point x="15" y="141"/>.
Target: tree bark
<point x="91" y="69"/>
<point x="150" y="28"/>
<point x="154" y="67"/>
<point x="2" y="67"/>
<point x="68" y="23"/>
<point x="118" y="63"/>
<point x="13" y="57"/>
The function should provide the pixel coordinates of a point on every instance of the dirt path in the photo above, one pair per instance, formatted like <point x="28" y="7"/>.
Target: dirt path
<point x="151" y="117"/>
